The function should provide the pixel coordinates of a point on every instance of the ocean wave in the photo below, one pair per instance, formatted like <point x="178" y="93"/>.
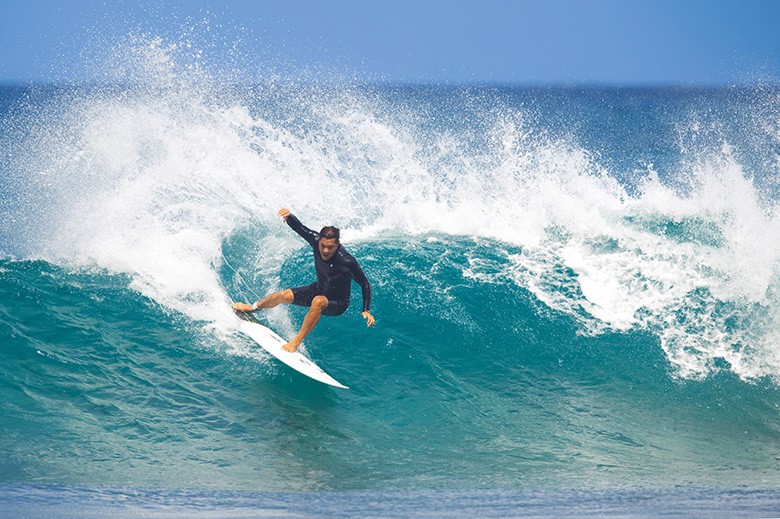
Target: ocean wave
<point x="150" y="180"/>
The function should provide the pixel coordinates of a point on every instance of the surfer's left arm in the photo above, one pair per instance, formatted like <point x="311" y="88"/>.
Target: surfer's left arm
<point x="362" y="280"/>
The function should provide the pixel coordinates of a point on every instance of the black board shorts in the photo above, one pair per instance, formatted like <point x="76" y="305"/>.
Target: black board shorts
<point x="303" y="296"/>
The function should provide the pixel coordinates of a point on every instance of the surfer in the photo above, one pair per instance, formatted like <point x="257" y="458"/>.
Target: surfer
<point x="329" y="295"/>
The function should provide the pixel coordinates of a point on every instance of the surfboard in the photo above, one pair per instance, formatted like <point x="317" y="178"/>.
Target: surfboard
<point x="272" y="343"/>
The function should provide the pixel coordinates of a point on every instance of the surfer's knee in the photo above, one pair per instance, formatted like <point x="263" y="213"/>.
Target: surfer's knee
<point x="320" y="303"/>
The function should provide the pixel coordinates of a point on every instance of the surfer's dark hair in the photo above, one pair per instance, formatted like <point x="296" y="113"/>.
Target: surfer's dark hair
<point x="329" y="232"/>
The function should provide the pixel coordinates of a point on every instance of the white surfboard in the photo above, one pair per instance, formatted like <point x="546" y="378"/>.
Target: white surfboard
<point x="272" y="343"/>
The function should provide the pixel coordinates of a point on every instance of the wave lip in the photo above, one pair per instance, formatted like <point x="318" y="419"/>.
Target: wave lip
<point x="151" y="179"/>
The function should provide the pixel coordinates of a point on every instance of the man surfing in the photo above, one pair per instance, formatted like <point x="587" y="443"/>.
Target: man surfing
<point x="329" y="295"/>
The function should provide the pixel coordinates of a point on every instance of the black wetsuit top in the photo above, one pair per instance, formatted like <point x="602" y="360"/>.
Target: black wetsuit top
<point x="334" y="277"/>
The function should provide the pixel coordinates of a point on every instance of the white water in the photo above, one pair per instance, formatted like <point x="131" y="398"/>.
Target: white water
<point x="150" y="180"/>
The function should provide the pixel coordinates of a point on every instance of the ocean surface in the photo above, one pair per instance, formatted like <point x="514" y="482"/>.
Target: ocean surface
<point x="577" y="294"/>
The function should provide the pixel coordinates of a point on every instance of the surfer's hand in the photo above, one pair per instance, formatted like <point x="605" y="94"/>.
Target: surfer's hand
<point x="284" y="213"/>
<point x="243" y="307"/>
<point x="369" y="319"/>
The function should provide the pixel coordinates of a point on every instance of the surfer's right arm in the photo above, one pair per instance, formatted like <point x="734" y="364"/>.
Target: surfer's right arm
<point x="296" y="225"/>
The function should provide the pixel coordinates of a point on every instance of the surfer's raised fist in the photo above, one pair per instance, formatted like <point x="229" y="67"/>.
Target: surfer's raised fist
<point x="284" y="213"/>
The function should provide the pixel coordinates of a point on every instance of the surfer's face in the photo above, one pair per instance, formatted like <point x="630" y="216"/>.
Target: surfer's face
<point x="328" y="247"/>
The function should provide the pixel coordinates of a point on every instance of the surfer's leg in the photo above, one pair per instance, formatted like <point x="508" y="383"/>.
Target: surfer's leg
<point x="269" y="301"/>
<point x="318" y="305"/>
<point x="275" y="299"/>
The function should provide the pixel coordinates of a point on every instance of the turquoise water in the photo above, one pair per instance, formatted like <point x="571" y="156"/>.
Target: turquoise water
<point x="102" y="385"/>
<point x="575" y="288"/>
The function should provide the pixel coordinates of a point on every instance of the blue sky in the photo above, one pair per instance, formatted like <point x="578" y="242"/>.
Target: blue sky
<point x="527" y="42"/>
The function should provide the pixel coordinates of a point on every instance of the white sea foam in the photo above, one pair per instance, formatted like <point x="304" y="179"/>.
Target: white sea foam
<point x="150" y="180"/>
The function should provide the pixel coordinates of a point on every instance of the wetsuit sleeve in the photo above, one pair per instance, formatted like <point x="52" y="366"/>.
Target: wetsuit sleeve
<point x="362" y="280"/>
<point x="305" y="233"/>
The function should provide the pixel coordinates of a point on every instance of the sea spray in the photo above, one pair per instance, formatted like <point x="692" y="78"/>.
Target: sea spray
<point x="150" y="179"/>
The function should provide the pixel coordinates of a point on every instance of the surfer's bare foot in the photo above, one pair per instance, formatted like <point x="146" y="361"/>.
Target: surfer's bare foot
<point x="242" y="307"/>
<point x="292" y="345"/>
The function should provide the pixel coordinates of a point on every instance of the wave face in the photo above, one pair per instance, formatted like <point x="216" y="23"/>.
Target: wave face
<point x="573" y="287"/>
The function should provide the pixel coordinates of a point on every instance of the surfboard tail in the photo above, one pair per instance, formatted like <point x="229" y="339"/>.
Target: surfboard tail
<point x="272" y="343"/>
<point x="246" y="316"/>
